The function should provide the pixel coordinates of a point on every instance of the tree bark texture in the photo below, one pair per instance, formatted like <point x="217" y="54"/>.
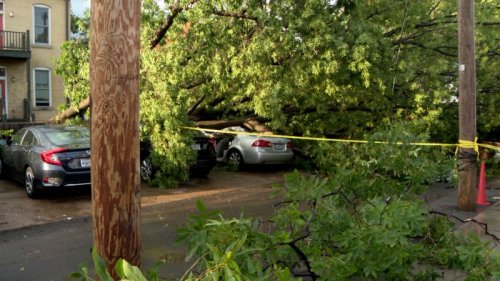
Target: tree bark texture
<point x="467" y="105"/>
<point x="114" y="92"/>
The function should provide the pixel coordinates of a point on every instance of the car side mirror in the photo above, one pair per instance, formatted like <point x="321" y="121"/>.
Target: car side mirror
<point x="9" y="140"/>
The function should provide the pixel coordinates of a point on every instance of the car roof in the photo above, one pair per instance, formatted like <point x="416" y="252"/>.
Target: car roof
<point x="47" y="128"/>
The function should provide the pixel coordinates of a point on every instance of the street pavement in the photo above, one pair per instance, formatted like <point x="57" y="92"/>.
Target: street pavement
<point x="53" y="251"/>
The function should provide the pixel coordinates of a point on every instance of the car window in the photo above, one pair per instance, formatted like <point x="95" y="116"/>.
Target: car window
<point x="29" y="138"/>
<point x="16" y="139"/>
<point x="68" y="135"/>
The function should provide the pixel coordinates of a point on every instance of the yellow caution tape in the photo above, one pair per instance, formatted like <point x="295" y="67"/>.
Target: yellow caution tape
<point x="489" y="146"/>
<point x="462" y="143"/>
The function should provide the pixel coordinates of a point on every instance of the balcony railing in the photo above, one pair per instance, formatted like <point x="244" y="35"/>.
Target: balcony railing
<point x="15" y="41"/>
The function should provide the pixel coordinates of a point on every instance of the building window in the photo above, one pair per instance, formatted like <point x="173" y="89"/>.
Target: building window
<point x="41" y="24"/>
<point x="42" y="87"/>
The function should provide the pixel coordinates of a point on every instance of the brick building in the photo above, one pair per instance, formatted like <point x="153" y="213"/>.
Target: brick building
<point x="31" y="34"/>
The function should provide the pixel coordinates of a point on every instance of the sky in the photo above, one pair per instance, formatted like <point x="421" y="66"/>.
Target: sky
<point x="79" y="6"/>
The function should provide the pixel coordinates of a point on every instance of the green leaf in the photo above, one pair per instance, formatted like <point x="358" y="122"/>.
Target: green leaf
<point x="128" y="272"/>
<point x="100" y="266"/>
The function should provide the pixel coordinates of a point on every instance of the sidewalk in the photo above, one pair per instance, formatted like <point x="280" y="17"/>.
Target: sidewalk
<point x="443" y="198"/>
<point x="490" y="215"/>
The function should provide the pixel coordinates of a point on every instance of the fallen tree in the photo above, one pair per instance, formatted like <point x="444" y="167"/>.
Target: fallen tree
<point x="71" y="112"/>
<point x="310" y="68"/>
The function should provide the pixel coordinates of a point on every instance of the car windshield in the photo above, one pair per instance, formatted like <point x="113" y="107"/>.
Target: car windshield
<point x="68" y="136"/>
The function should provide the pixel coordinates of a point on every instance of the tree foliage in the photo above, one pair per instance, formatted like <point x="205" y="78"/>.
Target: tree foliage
<point x="337" y="67"/>
<point x="73" y="64"/>
<point x="308" y="67"/>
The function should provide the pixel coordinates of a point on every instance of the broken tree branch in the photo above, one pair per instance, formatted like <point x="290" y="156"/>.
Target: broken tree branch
<point x="70" y="112"/>
<point x="237" y="15"/>
<point x="175" y="10"/>
<point x="197" y="103"/>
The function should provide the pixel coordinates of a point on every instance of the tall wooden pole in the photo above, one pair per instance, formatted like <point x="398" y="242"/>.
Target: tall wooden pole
<point x="467" y="104"/>
<point x="114" y="92"/>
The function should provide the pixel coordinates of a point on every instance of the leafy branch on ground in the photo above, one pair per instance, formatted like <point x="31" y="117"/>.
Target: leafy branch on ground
<point x="360" y="218"/>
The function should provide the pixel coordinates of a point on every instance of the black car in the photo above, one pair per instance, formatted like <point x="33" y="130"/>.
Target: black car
<point x="48" y="156"/>
<point x="205" y="160"/>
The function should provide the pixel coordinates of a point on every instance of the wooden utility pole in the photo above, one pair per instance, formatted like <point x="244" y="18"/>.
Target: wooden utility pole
<point x="467" y="105"/>
<point x="114" y="93"/>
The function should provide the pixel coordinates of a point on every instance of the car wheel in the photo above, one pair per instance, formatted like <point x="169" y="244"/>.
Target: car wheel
<point x="30" y="183"/>
<point x="222" y="146"/>
<point x="234" y="159"/>
<point x="147" y="170"/>
<point x="2" y="172"/>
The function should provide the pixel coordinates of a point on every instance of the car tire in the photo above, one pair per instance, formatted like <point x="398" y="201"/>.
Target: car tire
<point x="2" y="172"/>
<point x="147" y="170"/>
<point x="30" y="183"/>
<point x="222" y="146"/>
<point x="235" y="159"/>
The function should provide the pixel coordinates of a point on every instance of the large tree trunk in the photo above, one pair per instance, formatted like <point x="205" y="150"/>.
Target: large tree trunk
<point x="252" y="123"/>
<point x="114" y="91"/>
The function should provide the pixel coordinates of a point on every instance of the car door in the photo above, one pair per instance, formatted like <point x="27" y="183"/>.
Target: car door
<point x="22" y="154"/>
<point x="11" y="150"/>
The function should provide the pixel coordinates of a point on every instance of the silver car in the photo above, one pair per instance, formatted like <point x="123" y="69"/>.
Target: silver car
<point x="48" y="156"/>
<point x="242" y="149"/>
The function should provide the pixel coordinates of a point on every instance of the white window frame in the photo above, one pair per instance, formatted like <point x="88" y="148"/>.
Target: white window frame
<point x="49" y="27"/>
<point x="34" y="86"/>
<point x="2" y="12"/>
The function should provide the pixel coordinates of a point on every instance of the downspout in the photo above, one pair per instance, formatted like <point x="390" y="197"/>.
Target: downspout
<point x="68" y="19"/>
<point x="68" y="32"/>
<point x="29" y="115"/>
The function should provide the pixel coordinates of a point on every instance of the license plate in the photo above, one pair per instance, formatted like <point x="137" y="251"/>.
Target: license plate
<point x="85" y="162"/>
<point x="196" y="146"/>
<point x="278" y="147"/>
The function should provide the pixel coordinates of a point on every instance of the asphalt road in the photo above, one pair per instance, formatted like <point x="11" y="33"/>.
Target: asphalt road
<point x="48" y="239"/>
<point x="51" y="249"/>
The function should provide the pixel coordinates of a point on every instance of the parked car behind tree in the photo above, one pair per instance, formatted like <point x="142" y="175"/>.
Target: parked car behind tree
<point x="205" y="158"/>
<point x="243" y="149"/>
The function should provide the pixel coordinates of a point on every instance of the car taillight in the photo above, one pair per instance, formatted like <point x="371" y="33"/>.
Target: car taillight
<point x="213" y="141"/>
<point x="262" y="143"/>
<point x="50" y="156"/>
<point x="289" y="145"/>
